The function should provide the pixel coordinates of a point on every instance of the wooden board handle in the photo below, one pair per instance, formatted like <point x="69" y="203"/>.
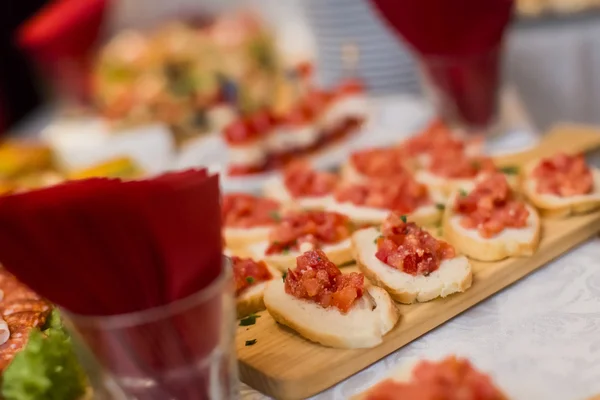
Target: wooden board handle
<point x="568" y="138"/>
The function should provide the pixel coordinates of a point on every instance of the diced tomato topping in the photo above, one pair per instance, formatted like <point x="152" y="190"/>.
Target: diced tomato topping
<point x="317" y="101"/>
<point x="242" y="210"/>
<point x="449" y="379"/>
<point x="380" y="162"/>
<point x="491" y="207"/>
<point x="301" y="180"/>
<point x="314" y="227"/>
<point x="262" y="122"/>
<point x="317" y="279"/>
<point x="410" y="249"/>
<point x="248" y="272"/>
<point x="401" y="193"/>
<point x="564" y="175"/>
<point x="455" y="164"/>
<point x="241" y="131"/>
<point x="436" y="137"/>
<point x="350" y="87"/>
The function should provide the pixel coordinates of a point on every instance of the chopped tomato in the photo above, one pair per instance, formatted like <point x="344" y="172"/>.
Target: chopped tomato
<point x="241" y="131"/>
<point x="380" y="162"/>
<point x="449" y="379"/>
<point x="401" y="193"/>
<point x="564" y="175"/>
<point x="314" y="227"/>
<point x="410" y="249"/>
<point x="301" y="180"/>
<point x="242" y="210"/>
<point x="317" y="279"/>
<point x="456" y="164"/>
<point x="490" y="207"/>
<point x="248" y="272"/>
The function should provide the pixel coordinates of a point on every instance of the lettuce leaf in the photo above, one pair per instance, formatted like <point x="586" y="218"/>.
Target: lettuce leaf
<point x="46" y="368"/>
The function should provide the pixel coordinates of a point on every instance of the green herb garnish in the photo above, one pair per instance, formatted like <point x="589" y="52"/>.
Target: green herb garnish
<point x="403" y="218"/>
<point x="250" y="280"/>
<point x="249" y="320"/>
<point x="510" y="170"/>
<point x="250" y="342"/>
<point x="275" y="216"/>
<point x="285" y="250"/>
<point x="440" y="206"/>
<point x="377" y="238"/>
<point x="284" y="276"/>
<point x="463" y="192"/>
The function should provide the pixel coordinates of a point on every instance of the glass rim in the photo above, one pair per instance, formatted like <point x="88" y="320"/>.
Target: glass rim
<point x="131" y="319"/>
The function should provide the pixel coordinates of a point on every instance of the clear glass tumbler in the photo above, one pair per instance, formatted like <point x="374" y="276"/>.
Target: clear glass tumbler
<point x="464" y="90"/>
<point x="184" y="350"/>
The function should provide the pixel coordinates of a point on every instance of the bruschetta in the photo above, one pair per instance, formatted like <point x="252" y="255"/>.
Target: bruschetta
<point x="301" y="231"/>
<point x="251" y="278"/>
<point x="325" y="306"/>
<point x="437" y="137"/>
<point x="451" y="379"/>
<point x="348" y="102"/>
<point x="296" y="130"/>
<point x="448" y="171"/>
<point x="375" y="163"/>
<point x="246" y="147"/>
<point x="490" y="223"/>
<point x="302" y="187"/>
<point x="247" y="219"/>
<point x="409" y="263"/>
<point x="369" y="203"/>
<point x="562" y="185"/>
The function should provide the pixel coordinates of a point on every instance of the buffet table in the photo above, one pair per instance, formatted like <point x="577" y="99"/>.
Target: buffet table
<point x="538" y="338"/>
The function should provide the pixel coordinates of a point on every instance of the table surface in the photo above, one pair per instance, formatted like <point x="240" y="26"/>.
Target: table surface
<point x="539" y="339"/>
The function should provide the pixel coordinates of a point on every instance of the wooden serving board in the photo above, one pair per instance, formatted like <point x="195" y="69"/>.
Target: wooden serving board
<point x="284" y="365"/>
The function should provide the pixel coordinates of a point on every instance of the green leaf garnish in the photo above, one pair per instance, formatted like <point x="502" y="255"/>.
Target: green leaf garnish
<point x="440" y="206"/>
<point x="285" y="250"/>
<point x="249" y="320"/>
<point x="284" y="276"/>
<point x="250" y="280"/>
<point x="250" y="342"/>
<point x="463" y="192"/>
<point x="275" y="216"/>
<point x="377" y="238"/>
<point x="403" y="218"/>
<point x="510" y="170"/>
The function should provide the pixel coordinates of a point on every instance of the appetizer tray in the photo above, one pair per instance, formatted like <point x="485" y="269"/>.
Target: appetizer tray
<point x="282" y="364"/>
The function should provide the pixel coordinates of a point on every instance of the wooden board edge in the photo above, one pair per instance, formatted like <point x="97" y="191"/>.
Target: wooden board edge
<point x="322" y="379"/>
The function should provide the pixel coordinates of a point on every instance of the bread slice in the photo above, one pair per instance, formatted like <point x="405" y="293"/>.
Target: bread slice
<point x="446" y="186"/>
<point x="426" y="215"/>
<point x="452" y="276"/>
<point x="511" y="242"/>
<point x="363" y="326"/>
<point x="275" y="189"/>
<point x="350" y="174"/>
<point x="560" y="207"/>
<point x="251" y="299"/>
<point x="241" y="237"/>
<point x="339" y="253"/>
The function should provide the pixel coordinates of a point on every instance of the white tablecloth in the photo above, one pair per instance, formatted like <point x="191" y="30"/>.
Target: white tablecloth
<point x="539" y="339"/>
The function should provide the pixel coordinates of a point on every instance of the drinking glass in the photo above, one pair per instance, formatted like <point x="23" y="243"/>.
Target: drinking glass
<point x="183" y="350"/>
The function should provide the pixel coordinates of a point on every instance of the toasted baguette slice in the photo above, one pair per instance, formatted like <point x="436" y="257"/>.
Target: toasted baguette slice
<point x="452" y="276"/>
<point x="363" y="326"/>
<point x="275" y="189"/>
<point x="561" y="207"/>
<point x="241" y="237"/>
<point x="425" y="215"/>
<point x="251" y="300"/>
<point x="511" y="242"/>
<point x="338" y="253"/>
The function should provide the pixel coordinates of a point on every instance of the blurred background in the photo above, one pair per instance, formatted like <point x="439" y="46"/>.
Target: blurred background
<point x="177" y="84"/>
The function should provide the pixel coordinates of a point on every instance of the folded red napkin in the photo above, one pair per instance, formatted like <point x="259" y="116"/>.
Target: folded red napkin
<point x="104" y="247"/>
